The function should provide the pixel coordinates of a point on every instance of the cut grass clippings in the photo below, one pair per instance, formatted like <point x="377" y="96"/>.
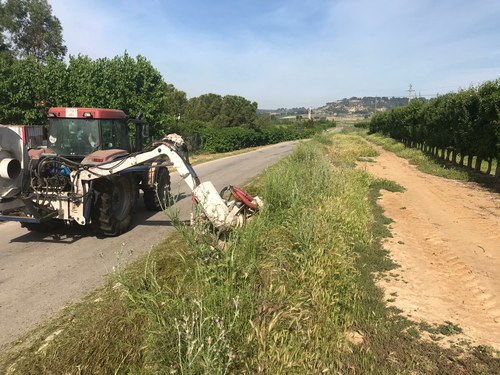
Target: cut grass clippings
<point x="291" y="293"/>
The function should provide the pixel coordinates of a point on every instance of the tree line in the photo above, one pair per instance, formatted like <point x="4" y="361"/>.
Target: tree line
<point x="458" y="127"/>
<point x="123" y="82"/>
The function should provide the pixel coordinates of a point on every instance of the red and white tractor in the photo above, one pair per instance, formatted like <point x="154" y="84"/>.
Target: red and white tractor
<point x="91" y="173"/>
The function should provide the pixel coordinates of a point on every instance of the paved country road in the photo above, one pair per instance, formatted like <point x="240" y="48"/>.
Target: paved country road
<point x="41" y="273"/>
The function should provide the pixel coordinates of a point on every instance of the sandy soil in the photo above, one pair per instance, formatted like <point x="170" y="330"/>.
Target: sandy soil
<point x="446" y="238"/>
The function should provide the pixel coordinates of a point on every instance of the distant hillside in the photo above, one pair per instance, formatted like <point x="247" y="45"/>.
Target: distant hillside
<point x="352" y="107"/>
<point x="364" y="106"/>
<point x="284" y="111"/>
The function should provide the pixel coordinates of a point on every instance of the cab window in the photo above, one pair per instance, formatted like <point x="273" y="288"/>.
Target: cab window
<point x="115" y="135"/>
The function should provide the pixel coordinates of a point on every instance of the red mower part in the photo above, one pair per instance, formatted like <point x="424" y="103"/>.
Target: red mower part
<point x="240" y="196"/>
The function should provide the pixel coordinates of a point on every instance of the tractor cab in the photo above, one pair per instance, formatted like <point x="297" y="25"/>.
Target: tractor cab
<point x="78" y="132"/>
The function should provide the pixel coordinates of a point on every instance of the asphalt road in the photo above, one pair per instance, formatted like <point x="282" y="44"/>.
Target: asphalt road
<point x="41" y="273"/>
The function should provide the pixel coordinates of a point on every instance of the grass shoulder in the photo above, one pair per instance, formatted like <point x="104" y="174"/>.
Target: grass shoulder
<point x="199" y="158"/>
<point x="423" y="162"/>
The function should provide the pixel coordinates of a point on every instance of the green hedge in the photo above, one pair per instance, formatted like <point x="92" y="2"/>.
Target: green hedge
<point x="207" y="139"/>
<point x="229" y="139"/>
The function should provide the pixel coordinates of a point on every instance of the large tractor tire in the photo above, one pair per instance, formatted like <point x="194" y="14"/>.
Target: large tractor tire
<point x="158" y="197"/>
<point x="114" y="205"/>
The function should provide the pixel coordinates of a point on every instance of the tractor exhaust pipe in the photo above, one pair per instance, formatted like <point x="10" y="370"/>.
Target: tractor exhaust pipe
<point x="10" y="168"/>
<point x="13" y="160"/>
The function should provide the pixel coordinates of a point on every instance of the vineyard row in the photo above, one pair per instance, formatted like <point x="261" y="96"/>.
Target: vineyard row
<point x="459" y="127"/>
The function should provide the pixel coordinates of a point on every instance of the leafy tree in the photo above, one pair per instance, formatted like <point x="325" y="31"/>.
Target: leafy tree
<point x="265" y="121"/>
<point x="4" y="47"/>
<point x="221" y="112"/>
<point x="488" y="123"/>
<point x="176" y="101"/>
<point x="53" y="84"/>
<point x="235" y="111"/>
<point x="5" y="75"/>
<point x="203" y="108"/>
<point x="123" y="82"/>
<point x="20" y="102"/>
<point x="28" y="28"/>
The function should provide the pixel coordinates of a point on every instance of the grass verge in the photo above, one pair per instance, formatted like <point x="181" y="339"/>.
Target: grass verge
<point x="291" y="293"/>
<point x="422" y="161"/>
<point x="437" y="167"/>
<point x="197" y="158"/>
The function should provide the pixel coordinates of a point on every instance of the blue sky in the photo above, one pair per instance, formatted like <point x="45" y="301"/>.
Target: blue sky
<point x="295" y="53"/>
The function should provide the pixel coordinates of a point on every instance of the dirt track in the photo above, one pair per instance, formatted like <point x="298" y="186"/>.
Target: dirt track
<point x="446" y="238"/>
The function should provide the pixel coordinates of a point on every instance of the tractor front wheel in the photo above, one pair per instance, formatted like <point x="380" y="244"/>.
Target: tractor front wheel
<point x="114" y="205"/>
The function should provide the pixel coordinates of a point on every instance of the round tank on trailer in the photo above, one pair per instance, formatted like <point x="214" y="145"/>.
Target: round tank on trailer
<point x="13" y="157"/>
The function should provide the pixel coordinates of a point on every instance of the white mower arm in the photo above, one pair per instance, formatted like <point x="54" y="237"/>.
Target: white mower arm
<point x="107" y="169"/>
<point x="215" y="208"/>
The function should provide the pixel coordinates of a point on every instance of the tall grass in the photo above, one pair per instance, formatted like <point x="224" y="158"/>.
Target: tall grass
<point x="308" y="290"/>
<point x="280" y="295"/>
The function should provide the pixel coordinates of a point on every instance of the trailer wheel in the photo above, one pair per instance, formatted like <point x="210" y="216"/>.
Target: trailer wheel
<point x="158" y="198"/>
<point x="113" y="209"/>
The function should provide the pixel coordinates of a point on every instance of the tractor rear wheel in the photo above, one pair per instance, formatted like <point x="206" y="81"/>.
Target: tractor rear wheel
<point x="114" y="205"/>
<point x="158" y="197"/>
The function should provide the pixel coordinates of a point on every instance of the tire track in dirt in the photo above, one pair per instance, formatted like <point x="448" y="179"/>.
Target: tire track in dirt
<point x="446" y="239"/>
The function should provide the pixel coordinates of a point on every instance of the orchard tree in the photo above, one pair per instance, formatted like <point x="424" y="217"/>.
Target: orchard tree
<point x="413" y="116"/>
<point x="466" y="106"/>
<point x="28" y="28"/>
<point x="488" y="123"/>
